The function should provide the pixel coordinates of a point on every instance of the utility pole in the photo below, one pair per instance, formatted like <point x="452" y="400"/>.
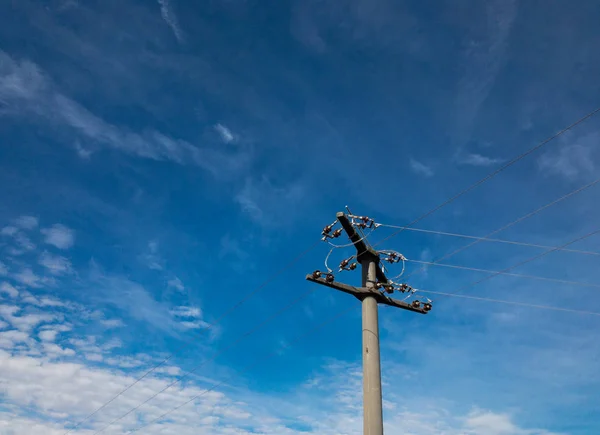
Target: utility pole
<point x="370" y="294"/>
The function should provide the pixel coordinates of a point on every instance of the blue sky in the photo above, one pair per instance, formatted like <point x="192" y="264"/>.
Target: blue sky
<point x="159" y="160"/>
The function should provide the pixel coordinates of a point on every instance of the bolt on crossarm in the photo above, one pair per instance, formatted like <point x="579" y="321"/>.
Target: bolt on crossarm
<point x="373" y="278"/>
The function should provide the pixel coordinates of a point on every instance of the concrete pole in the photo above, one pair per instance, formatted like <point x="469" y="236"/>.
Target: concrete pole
<point x="372" y="399"/>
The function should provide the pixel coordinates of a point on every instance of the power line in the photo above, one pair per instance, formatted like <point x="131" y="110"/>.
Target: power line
<point x="518" y="275"/>
<point x="486" y="239"/>
<point x="522" y="218"/>
<point x="213" y="358"/>
<point x="494" y="173"/>
<point x="246" y="368"/>
<point x="523" y="304"/>
<point x="529" y="260"/>
<point x="219" y="319"/>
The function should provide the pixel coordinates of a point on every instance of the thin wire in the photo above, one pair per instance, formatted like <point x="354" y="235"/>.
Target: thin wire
<point x="401" y="257"/>
<point x="522" y="218"/>
<point x="523" y="304"/>
<point x="214" y="357"/>
<point x="245" y="369"/>
<point x="529" y="260"/>
<point x="494" y="173"/>
<point x="485" y="239"/>
<point x="518" y="275"/>
<point x="219" y="319"/>
<point x="327" y="259"/>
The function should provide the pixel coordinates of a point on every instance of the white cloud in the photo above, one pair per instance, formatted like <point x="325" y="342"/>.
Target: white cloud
<point x="27" y="222"/>
<point x="9" y="231"/>
<point x="27" y="277"/>
<point x="226" y="135"/>
<point x="48" y="335"/>
<point x="26" y="90"/>
<point x="420" y="168"/>
<point x="196" y="324"/>
<point x="112" y="323"/>
<point x="570" y="162"/>
<point x="171" y="19"/>
<point x="23" y="244"/>
<point x="152" y="257"/>
<point x="27" y="322"/>
<point x="9" y="339"/>
<point x="55" y="264"/>
<point x="9" y="289"/>
<point x="474" y="159"/>
<point x="176" y="284"/>
<point x="59" y="236"/>
<point x="187" y="312"/>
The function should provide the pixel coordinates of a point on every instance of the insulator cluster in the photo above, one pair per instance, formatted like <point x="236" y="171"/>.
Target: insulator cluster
<point x="328" y="276"/>
<point x="347" y="264"/>
<point x="362" y="222"/>
<point x="329" y="233"/>
<point x="417" y="304"/>
<point x="392" y="256"/>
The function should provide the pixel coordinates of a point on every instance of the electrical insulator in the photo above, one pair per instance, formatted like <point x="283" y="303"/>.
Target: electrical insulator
<point x="378" y="285"/>
<point x="427" y="307"/>
<point x="337" y="233"/>
<point x="352" y="266"/>
<point x="361" y="225"/>
<point x="327" y="229"/>
<point x="329" y="277"/>
<point x="403" y="288"/>
<point x="344" y="263"/>
<point x="389" y="288"/>
<point x="316" y="274"/>
<point x="416" y="304"/>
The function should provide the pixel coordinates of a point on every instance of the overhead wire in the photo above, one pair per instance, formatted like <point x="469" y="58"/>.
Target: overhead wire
<point x="522" y="304"/>
<point x="493" y="173"/>
<point x="486" y="239"/>
<point x="529" y="260"/>
<point x="253" y="293"/>
<point x="510" y="224"/>
<point x="517" y="275"/>
<point x="214" y="357"/>
<point x="245" y="369"/>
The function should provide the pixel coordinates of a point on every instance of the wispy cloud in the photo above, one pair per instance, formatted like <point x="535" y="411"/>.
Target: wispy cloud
<point x="9" y="290"/>
<point x="485" y="54"/>
<point x="27" y="222"/>
<point x="570" y="162"/>
<point x="226" y="135"/>
<point x="60" y="236"/>
<point x="176" y="283"/>
<point x="55" y="264"/>
<point x="28" y="278"/>
<point x="171" y="19"/>
<point x="474" y="159"/>
<point x="265" y="203"/>
<point x="112" y="323"/>
<point x="25" y="89"/>
<point x="421" y="168"/>
<point x="133" y="299"/>
<point x="152" y="256"/>
<point x="187" y="312"/>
